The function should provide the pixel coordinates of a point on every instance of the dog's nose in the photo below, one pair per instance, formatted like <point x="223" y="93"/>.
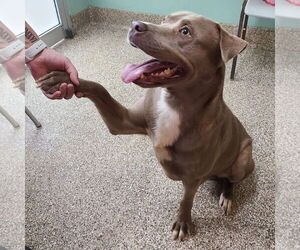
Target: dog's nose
<point x="139" y="26"/>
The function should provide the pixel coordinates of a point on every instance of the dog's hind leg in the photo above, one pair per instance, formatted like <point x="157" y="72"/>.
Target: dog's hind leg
<point x="225" y="201"/>
<point x="118" y="119"/>
<point x="241" y="168"/>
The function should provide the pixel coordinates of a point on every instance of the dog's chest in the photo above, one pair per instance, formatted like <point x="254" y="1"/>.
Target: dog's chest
<point x="166" y="130"/>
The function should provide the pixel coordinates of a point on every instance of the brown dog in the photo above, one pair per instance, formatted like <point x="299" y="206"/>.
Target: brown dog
<point x="194" y="134"/>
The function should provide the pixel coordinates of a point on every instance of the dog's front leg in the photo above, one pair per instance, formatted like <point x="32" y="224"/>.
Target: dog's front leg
<point x="183" y="227"/>
<point x="117" y="118"/>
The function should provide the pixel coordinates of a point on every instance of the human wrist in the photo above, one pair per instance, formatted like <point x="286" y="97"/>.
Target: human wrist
<point x="34" y="50"/>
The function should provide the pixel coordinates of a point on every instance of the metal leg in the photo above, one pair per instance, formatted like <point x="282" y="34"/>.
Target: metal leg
<point x="241" y="32"/>
<point x="33" y="119"/>
<point x="245" y="26"/>
<point x="9" y="118"/>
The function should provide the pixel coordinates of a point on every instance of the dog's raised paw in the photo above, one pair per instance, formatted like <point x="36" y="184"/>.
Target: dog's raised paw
<point x="181" y="230"/>
<point x="225" y="204"/>
<point x="51" y="82"/>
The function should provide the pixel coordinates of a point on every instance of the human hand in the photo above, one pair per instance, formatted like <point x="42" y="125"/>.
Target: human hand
<point x="50" y="83"/>
<point x="49" y="60"/>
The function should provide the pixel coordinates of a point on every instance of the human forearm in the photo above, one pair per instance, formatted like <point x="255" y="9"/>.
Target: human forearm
<point x="30" y="36"/>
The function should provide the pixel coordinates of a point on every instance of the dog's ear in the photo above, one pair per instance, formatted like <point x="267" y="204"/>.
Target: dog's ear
<point x="230" y="45"/>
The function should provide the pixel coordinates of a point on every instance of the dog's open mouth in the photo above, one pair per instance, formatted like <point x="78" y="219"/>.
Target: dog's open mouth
<point x="150" y="72"/>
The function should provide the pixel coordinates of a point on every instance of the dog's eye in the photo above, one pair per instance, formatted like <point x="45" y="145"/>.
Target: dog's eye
<point x="185" y="31"/>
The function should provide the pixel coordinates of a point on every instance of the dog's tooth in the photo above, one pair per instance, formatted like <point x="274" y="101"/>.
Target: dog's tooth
<point x="142" y="76"/>
<point x="167" y="72"/>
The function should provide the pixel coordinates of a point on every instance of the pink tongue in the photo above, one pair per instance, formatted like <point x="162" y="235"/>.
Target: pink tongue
<point x="132" y="72"/>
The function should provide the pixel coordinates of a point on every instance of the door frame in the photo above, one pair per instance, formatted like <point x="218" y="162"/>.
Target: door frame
<point x="63" y="29"/>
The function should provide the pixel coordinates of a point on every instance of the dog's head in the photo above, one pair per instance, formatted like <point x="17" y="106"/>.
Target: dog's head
<point x="186" y="48"/>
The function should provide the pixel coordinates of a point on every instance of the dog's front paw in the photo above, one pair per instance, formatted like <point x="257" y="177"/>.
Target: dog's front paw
<point x="181" y="229"/>
<point x="51" y="82"/>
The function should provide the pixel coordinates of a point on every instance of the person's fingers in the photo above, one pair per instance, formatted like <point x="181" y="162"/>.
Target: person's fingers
<point x="72" y="71"/>
<point x="70" y="91"/>
<point x="49" y="75"/>
<point x="63" y="90"/>
<point x="54" y="96"/>
<point x="74" y="78"/>
<point x="79" y="94"/>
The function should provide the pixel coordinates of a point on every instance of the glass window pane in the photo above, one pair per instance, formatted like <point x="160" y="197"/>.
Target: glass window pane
<point x="41" y="15"/>
<point x="12" y="15"/>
